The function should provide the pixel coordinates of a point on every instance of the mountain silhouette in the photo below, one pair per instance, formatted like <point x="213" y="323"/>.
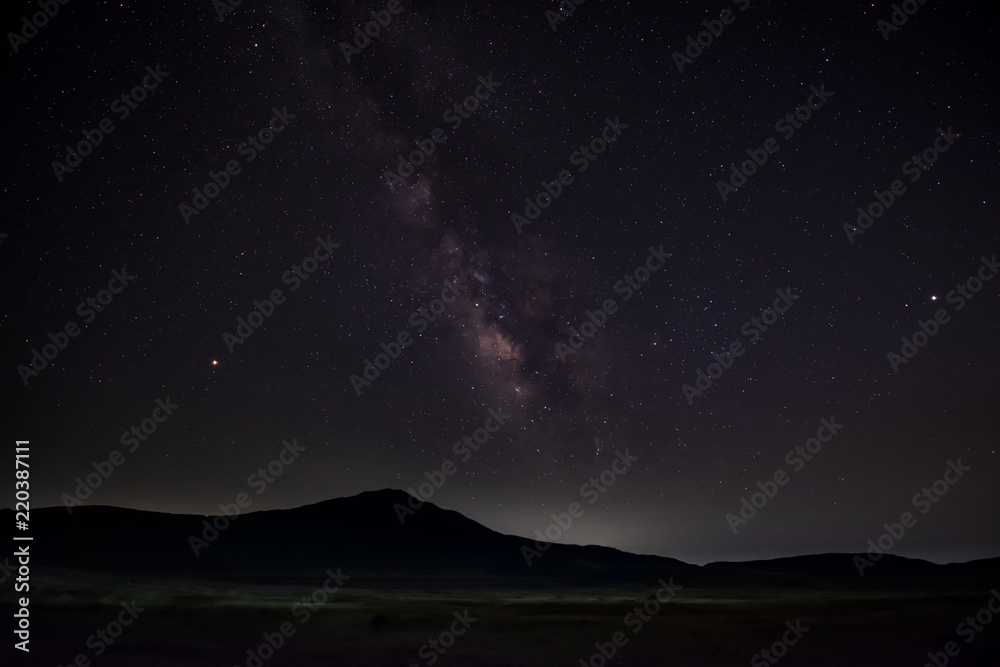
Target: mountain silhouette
<point x="364" y="534"/>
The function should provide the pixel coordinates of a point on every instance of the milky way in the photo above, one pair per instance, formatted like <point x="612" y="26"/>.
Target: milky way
<point x="621" y="145"/>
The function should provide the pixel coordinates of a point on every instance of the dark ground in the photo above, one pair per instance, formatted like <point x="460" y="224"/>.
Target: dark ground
<point x="198" y="621"/>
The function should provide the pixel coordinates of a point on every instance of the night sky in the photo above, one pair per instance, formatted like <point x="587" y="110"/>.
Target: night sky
<point x="312" y="211"/>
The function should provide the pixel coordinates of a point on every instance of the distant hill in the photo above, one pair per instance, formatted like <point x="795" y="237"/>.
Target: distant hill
<point x="363" y="535"/>
<point x="842" y="567"/>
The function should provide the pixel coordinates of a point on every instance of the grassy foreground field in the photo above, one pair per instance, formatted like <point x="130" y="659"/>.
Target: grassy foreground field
<point x="374" y="623"/>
